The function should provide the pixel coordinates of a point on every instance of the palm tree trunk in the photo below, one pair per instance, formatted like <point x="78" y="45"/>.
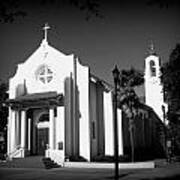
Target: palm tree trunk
<point x="131" y="132"/>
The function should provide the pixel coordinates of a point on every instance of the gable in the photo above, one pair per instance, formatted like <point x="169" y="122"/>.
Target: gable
<point x="45" y="70"/>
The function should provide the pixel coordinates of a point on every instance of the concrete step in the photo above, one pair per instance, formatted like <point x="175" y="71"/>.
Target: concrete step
<point x="28" y="162"/>
<point x="49" y="163"/>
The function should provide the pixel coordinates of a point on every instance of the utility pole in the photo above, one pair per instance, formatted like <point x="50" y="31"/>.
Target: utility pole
<point x="116" y="161"/>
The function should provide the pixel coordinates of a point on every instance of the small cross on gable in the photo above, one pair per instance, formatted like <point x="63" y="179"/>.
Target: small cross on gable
<point x="45" y="28"/>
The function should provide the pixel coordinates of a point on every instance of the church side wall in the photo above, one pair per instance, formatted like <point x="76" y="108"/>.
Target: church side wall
<point x="93" y="119"/>
<point x="68" y="102"/>
<point x="100" y="118"/>
<point x="84" y="124"/>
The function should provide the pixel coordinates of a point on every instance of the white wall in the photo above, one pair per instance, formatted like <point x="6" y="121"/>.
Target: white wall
<point x="84" y="127"/>
<point x="108" y="124"/>
<point x="26" y="74"/>
<point x="154" y="96"/>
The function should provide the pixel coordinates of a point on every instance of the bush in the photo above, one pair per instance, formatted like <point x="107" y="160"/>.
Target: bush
<point x="76" y="159"/>
<point x="2" y="156"/>
<point x="110" y="159"/>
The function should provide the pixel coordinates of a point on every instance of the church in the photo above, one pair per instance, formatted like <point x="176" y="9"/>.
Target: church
<point x="59" y="109"/>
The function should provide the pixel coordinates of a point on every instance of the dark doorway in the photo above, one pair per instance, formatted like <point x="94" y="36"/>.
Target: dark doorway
<point x="42" y="140"/>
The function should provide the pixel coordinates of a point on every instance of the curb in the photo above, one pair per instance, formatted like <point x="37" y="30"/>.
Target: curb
<point x="138" y="165"/>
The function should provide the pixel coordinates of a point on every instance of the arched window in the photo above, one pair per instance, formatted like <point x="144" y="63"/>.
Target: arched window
<point x="152" y="68"/>
<point x="44" y="117"/>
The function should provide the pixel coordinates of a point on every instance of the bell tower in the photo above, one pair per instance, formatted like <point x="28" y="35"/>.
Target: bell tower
<point x="154" y="96"/>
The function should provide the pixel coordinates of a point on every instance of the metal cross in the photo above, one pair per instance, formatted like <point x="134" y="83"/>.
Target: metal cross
<point x="45" y="28"/>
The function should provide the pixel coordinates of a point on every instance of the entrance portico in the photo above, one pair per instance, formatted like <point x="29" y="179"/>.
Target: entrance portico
<point x="33" y="124"/>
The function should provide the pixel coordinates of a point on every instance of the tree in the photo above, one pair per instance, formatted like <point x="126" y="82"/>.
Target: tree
<point x="3" y="108"/>
<point x="163" y="3"/>
<point x="128" y="100"/>
<point x="10" y="10"/>
<point x="171" y="75"/>
<point x="171" y="84"/>
<point x="171" y="79"/>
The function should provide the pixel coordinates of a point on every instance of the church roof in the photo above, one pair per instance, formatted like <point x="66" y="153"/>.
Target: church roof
<point x="37" y="99"/>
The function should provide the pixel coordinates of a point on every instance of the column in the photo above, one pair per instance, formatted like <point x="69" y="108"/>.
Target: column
<point x="8" y="134"/>
<point x="120" y="131"/>
<point x="51" y="128"/>
<point x="23" y="129"/>
<point x="29" y="134"/>
<point x="108" y="124"/>
<point x="60" y="128"/>
<point x="17" y="128"/>
<point x="11" y="131"/>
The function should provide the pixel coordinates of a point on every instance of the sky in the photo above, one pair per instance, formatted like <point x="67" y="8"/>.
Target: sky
<point x="121" y="37"/>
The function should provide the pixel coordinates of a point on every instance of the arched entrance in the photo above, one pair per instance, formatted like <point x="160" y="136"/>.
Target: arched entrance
<point x="42" y="133"/>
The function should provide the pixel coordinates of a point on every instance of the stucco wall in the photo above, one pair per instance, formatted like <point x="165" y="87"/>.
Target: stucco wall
<point x="26" y="75"/>
<point x="84" y="124"/>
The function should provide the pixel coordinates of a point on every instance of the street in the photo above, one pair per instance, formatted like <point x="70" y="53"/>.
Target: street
<point x="171" y="171"/>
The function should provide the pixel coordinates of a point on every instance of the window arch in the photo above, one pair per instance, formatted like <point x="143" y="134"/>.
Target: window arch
<point x="152" y="68"/>
<point x="44" y="117"/>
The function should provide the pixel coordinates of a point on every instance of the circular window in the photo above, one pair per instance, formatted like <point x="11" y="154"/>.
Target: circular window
<point x="44" y="74"/>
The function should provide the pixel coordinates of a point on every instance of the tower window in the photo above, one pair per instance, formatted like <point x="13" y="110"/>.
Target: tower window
<point x="152" y="68"/>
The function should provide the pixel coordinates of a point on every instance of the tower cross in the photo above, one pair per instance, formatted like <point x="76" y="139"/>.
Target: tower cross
<point x="151" y="48"/>
<point x="45" y="28"/>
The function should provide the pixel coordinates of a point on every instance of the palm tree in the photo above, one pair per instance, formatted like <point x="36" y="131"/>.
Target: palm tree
<point x="3" y="107"/>
<point x="128" y="100"/>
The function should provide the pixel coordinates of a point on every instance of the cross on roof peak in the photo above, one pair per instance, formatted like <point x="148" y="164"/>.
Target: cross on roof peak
<point x="45" y="28"/>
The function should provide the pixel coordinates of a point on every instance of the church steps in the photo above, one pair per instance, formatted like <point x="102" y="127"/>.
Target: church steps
<point x="28" y="162"/>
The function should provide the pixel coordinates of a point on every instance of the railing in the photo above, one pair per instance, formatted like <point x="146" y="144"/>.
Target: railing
<point x="17" y="149"/>
<point x="55" y="155"/>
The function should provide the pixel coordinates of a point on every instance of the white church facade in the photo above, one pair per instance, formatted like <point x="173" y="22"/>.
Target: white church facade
<point x="59" y="109"/>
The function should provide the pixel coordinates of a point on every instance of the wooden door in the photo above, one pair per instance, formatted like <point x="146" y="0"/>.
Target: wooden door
<point x="42" y="140"/>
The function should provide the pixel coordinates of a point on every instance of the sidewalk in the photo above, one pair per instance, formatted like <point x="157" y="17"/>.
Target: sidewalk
<point x="168" y="171"/>
<point x="135" y="165"/>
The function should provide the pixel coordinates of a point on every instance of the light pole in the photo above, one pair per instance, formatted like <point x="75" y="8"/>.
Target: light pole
<point x="116" y="73"/>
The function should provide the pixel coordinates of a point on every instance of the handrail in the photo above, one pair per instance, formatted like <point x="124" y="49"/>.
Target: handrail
<point x="18" y="147"/>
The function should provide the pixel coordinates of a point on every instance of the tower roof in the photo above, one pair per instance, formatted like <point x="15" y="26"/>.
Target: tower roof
<point x="151" y="48"/>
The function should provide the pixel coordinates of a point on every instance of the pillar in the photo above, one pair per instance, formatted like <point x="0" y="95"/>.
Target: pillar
<point x="51" y="128"/>
<point x="11" y="131"/>
<point x="23" y="129"/>
<point x="8" y="134"/>
<point x="29" y="134"/>
<point x="108" y="124"/>
<point x="120" y="132"/>
<point x="60" y="128"/>
<point x="17" y="121"/>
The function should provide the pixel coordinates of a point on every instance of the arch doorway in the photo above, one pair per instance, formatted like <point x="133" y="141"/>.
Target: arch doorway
<point x="42" y="133"/>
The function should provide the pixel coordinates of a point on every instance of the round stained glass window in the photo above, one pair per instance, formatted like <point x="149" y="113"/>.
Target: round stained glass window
<point x="44" y="74"/>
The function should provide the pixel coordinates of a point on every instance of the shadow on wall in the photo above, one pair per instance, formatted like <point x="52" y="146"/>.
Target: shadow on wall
<point x="72" y="116"/>
<point x="149" y="136"/>
<point x="21" y="89"/>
